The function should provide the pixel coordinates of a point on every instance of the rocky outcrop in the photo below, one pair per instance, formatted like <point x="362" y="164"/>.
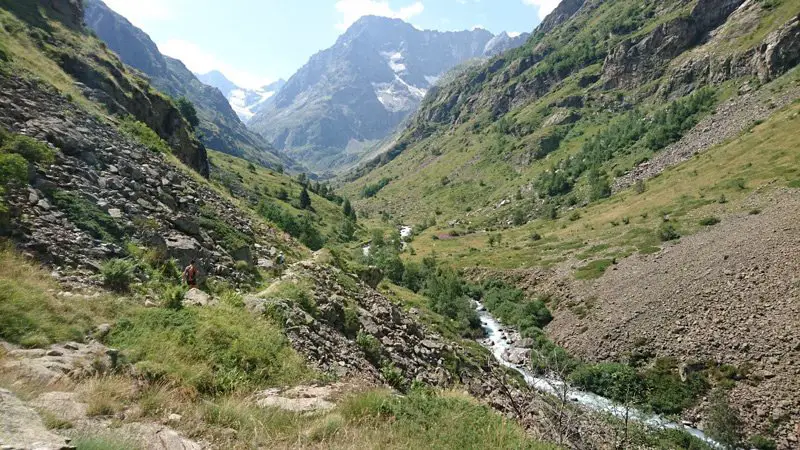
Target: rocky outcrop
<point x="777" y="53"/>
<point x="563" y="12"/>
<point x="21" y="428"/>
<point x="100" y="176"/>
<point x="60" y="363"/>
<point x="634" y="63"/>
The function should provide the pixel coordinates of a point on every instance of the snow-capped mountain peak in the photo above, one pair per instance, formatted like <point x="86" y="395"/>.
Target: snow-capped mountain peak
<point x="245" y="102"/>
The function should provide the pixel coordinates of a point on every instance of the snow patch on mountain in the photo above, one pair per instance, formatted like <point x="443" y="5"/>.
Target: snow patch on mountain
<point x="247" y="102"/>
<point x="398" y="95"/>
<point x="395" y="61"/>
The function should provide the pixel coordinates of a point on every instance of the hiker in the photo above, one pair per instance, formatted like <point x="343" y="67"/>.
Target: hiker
<point x="278" y="269"/>
<point x="190" y="274"/>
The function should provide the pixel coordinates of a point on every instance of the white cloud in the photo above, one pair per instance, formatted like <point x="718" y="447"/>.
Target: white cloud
<point x="545" y="6"/>
<point x="352" y="10"/>
<point x="514" y="34"/>
<point x="141" y="11"/>
<point x="201" y="61"/>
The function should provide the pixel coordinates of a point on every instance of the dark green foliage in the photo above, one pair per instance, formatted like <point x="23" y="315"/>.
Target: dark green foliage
<point x="87" y="216"/>
<point x="13" y="169"/>
<point x="599" y="186"/>
<point x="371" y="347"/>
<point x="188" y="111"/>
<point x="723" y="423"/>
<point x="611" y="380"/>
<point x="446" y="291"/>
<point x="118" y="274"/>
<point x="413" y="276"/>
<point x="679" y="117"/>
<point x="667" y="232"/>
<point x="282" y="195"/>
<point x="371" y="190"/>
<point x="32" y="150"/>
<point x="510" y="305"/>
<point x="347" y="230"/>
<point x="667" y="393"/>
<point x="140" y="132"/>
<point x="761" y="443"/>
<point x="709" y="221"/>
<point x="621" y="137"/>
<point x="305" y="200"/>
<point x="302" y="228"/>
<point x="348" y="211"/>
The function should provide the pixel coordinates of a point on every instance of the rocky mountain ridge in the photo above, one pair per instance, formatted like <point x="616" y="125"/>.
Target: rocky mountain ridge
<point x="355" y="93"/>
<point x="220" y="127"/>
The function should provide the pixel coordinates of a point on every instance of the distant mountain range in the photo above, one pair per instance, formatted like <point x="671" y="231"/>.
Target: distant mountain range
<point x="350" y="97"/>
<point x="220" y="127"/>
<point x="245" y="102"/>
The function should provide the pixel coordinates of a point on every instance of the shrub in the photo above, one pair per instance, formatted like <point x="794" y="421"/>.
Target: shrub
<point x="709" y="221"/>
<point x="511" y="306"/>
<point x="371" y="190"/>
<point x="188" y="111"/>
<point x="723" y="423"/>
<point x="88" y="216"/>
<point x="140" y="132"/>
<point x="667" y="232"/>
<point x="371" y="347"/>
<point x="30" y="149"/>
<point x="761" y="443"/>
<point x="172" y="297"/>
<point x="393" y="376"/>
<point x="118" y="274"/>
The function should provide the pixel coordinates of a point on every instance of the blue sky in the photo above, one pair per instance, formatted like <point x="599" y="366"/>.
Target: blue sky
<point x="256" y="41"/>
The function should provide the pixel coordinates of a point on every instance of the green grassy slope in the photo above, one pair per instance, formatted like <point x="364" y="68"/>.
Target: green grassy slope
<point x="706" y="187"/>
<point x="540" y="129"/>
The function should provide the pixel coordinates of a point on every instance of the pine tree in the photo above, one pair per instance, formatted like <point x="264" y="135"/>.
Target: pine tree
<point x="348" y="210"/>
<point x="305" y="200"/>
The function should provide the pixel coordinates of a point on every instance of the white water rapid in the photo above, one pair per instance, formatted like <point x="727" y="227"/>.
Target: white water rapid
<point x="498" y="342"/>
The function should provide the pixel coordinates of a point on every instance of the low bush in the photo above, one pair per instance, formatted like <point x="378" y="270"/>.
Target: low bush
<point x="118" y="274"/>
<point x="371" y="347"/>
<point x="667" y="232"/>
<point x="761" y="443"/>
<point x="172" y="297"/>
<point x="143" y="134"/>
<point x="511" y="306"/>
<point x="709" y="221"/>
<point x="393" y="376"/>
<point x="88" y="216"/>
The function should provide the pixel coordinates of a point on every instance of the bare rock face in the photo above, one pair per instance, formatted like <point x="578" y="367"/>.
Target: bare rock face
<point x="21" y="428"/>
<point x="632" y="63"/>
<point x="60" y="363"/>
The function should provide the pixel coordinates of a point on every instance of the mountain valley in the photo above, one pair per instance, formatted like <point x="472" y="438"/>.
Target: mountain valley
<point x="581" y="237"/>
